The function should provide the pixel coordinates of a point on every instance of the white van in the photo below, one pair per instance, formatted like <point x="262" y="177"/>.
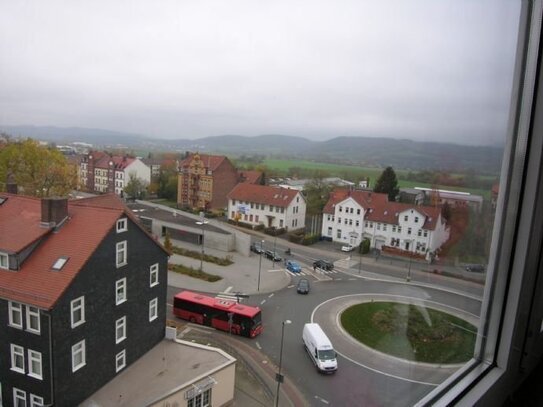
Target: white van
<point x="319" y="348"/>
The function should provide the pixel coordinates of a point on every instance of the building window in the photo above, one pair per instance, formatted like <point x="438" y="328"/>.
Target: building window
<point x="200" y="400"/>
<point x="120" y="360"/>
<point x="19" y="398"/>
<point x="378" y="226"/>
<point x="358" y="211"/>
<point x="77" y="311"/>
<point x="4" y="261"/>
<point x="357" y="223"/>
<point x="280" y="223"/>
<point x="351" y="210"/>
<point x="153" y="309"/>
<point x="406" y="218"/>
<point x="384" y="227"/>
<point x="408" y="231"/>
<point x="338" y="220"/>
<point x="120" y="291"/>
<point x="399" y="229"/>
<point x="419" y="233"/>
<point x="338" y="235"/>
<point x="350" y="222"/>
<point x="233" y="215"/>
<point x="33" y="319"/>
<point x="153" y="275"/>
<point x="78" y="356"/>
<point x="329" y="231"/>
<point x="120" y="330"/>
<point x="394" y="228"/>
<point x="416" y="219"/>
<point x="15" y="315"/>
<point x="121" y="253"/>
<point x="250" y="218"/>
<point x="34" y="364"/>
<point x="256" y="218"/>
<point x="17" y="358"/>
<point x="122" y="225"/>
<point x="425" y="233"/>
<point x="340" y="209"/>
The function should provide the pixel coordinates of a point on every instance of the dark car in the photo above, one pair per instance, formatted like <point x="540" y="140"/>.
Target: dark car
<point x="272" y="255"/>
<point x="303" y="286"/>
<point x="475" y="268"/>
<point x="323" y="264"/>
<point x="256" y="248"/>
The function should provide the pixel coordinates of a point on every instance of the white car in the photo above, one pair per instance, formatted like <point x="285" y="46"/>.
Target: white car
<point x="347" y="248"/>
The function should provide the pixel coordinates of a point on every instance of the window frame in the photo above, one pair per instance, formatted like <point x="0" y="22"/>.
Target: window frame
<point x="153" y="275"/>
<point x="120" y="356"/>
<point x="121" y="247"/>
<point x="79" y="348"/>
<point x="118" y="284"/>
<point x="120" y="324"/>
<point x="153" y="309"/>
<point x="18" y="392"/>
<point x="35" y="356"/>
<point x="36" y="401"/>
<point x="12" y="309"/>
<point x="29" y="314"/>
<point x="74" y="308"/>
<point x="17" y="350"/>
<point x="6" y="257"/>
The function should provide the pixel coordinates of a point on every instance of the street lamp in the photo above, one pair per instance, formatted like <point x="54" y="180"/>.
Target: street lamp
<point x="274" y="241"/>
<point x="201" y="223"/>
<point x="408" y="278"/>
<point x="279" y="377"/>
<point x="260" y="264"/>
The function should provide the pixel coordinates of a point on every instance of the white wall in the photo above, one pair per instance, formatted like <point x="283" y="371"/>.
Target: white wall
<point x="140" y="169"/>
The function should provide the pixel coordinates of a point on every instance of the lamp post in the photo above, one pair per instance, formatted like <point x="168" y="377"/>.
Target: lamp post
<point x="408" y="278"/>
<point x="202" y="223"/>
<point x="279" y="377"/>
<point x="274" y="241"/>
<point x="260" y="264"/>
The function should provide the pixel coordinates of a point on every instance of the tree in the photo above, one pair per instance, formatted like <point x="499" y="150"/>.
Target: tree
<point x="135" y="187"/>
<point x="37" y="170"/>
<point x="167" y="181"/>
<point x="388" y="184"/>
<point x="316" y="193"/>
<point x="364" y="247"/>
<point x="168" y="243"/>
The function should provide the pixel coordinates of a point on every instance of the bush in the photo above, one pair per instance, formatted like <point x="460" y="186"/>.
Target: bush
<point x="273" y="231"/>
<point x="240" y="224"/>
<point x="364" y="246"/>
<point x="221" y="261"/>
<point x="260" y="226"/>
<point x="191" y="272"/>
<point x="295" y="237"/>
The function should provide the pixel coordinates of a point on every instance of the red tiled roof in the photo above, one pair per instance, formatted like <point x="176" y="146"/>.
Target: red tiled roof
<point x="251" y="177"/>
<point x="211" y="162"/>
<point x="366" y="199"/>
<point x="263" y="194"/>
<point x="90" y="220"/>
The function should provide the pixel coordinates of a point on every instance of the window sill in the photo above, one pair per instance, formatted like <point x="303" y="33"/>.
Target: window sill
<point x="77" y="324"/>
<point x="17" y="370"/>
<point x="120" y="302"/>
<point x="76" y="368"/>
<point x="35" y="376"/>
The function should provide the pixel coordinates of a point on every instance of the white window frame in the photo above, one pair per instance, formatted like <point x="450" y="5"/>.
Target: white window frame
<point x="121" y="248"/>
<point x="33" y="314"/>
<point x="15" y="308"/>
<point x="120" y="284"/>
<point x="79" y="349"/>
<point x="35" y="357"/>
<point x="77" y="305"/>
<point x="120" y="330"/>
<point x="19" y="395"/>
<point x="4" y="264"/>
<point x="17" y="351"/>
<point x="120" y="360"/>
<point x="153" y="275"/>
<point x="153" y="309"/>
<point x="122" y="225"/>
<point x="36" y="401"/>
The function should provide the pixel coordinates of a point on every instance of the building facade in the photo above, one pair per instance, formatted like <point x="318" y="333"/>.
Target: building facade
<point x="104" y="173"/>
<point x="268" y="206"/>
<point x="82" y="296"/>
<point x="351" y="216"/>
<point x="204" y="181"/>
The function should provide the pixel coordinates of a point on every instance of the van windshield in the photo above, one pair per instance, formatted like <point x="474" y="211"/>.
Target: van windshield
<point x="327" y="354"/>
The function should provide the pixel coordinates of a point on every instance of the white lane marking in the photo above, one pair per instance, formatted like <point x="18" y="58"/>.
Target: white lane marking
<point x="352" y="279"/>
<point x="258" y="346"/>
<point x="271" y="295"/>
<point x="228" y="289"/>
<point x="169" y="305"/>
<point x="322" y="400"/>
<point x="274" y="271"/>
<point x="290" y="286"/>
<point x="262" y="302"/>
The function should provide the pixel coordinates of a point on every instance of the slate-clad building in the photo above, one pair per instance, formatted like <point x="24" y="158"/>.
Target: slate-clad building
<point x="82" y="296"/>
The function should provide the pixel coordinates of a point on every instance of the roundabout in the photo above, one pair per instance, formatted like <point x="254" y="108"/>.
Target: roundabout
<point x="328" y="315"/>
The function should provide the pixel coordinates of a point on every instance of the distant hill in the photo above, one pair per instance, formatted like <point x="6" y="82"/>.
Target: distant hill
<point x="362" y="151"/>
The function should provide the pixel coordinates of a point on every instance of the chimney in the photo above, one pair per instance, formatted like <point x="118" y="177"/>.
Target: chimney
<point x="53" y="211"/>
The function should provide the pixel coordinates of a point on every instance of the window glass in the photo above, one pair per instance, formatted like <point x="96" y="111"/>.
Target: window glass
<point x="19" y="398"/>
<point x="4" y="262"/>
<point x="121" y="254"/>
<point x="120" y="291"/>
<point x="120" y="330"/>
<point x="17" y="358"/>
<point x="153" y="275"/>
<point x="77" y="311"/>
<point x="15" y="314"/>
<point x="34" y="364"/>
<point x="78" y="356"/>
<point x="120" y="360"/>
<point x="153" y="311"/>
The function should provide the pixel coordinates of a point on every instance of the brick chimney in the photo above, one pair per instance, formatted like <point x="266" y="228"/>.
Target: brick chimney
<point x="53" y="211"/>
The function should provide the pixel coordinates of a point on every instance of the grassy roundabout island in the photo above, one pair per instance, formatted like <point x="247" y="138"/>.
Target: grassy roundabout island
<point x="411" y="332"/>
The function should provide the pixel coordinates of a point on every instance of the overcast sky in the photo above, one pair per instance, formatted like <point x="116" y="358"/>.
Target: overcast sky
<point x="418" y="69"/>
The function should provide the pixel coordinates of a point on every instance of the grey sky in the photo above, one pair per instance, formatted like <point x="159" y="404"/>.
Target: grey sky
<point x="419" y="69"/>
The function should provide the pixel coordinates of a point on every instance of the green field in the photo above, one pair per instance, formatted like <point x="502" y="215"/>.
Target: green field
<point x="353" y="173"/>
<point x="411" y="332"/>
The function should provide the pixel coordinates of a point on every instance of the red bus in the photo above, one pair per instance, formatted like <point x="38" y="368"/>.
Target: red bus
<point x="219" y="313"/>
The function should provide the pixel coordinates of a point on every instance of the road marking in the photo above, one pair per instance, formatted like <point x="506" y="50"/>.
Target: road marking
<point x="274" y="271"/>
<point x="169" y="305"/>
<point x="262" y="302"/>
<point x="271" y="295"/>
<point x="258" y="346"/>
<point x="228" y="289"/>
<point x="353" y="279"/>
<point x="290" y="286"/>
<point x="322" y="400"/>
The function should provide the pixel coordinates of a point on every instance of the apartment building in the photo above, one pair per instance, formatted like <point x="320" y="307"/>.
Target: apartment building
<point x="82" y="296"/>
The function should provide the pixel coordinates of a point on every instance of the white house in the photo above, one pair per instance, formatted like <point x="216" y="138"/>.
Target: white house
<point x="268" y="206"/>
<point x="351" y="216"/>
<point x="125" y="167"/>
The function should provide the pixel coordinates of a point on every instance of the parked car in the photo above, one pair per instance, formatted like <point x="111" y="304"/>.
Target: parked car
<point x="256" y="248"/>
<point x="347" y="248"/>
<point x="272" y="255"/>
<point x="323" y="264"/>
<point x="303" y="286"/>
<point x="293" y="266"/>
<point x="475" y="268"/>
